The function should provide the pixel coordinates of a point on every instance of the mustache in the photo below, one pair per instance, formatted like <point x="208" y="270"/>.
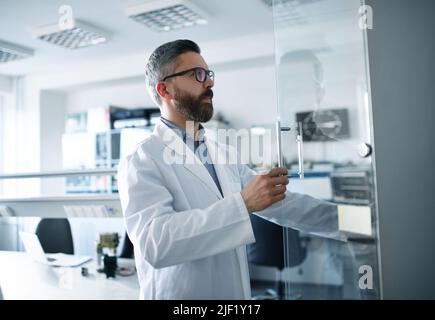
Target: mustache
<point x="208" y="93"/>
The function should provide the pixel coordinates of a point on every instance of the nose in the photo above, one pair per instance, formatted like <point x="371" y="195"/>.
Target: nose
<point x="208" y="83"/>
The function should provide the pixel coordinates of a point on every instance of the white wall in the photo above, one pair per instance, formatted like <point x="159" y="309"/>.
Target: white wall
<point x="5" y="90"/>
<point x="5" y="84"/>
<point x="244" y="96"/>
<point x="247" y="96"/>
<point x="21" y="139"/>
<point x="8" y="226"/>
<point x="52" y="117"/>
<point x="127" y="94"/>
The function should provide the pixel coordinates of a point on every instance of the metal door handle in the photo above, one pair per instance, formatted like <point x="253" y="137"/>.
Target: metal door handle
<point x="279" y="129"/>
<point x="300" y="141"/>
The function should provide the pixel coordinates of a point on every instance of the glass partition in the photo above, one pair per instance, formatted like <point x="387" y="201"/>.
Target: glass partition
<point x="324" y="139"/>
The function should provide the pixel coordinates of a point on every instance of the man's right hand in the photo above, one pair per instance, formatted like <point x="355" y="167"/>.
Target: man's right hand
<point x="265" y="189"/>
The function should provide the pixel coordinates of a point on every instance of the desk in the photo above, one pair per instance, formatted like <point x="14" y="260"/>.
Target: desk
<point x="22" y="279"/>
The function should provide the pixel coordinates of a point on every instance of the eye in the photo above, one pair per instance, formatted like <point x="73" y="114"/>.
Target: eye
<point x="200" y="74"/>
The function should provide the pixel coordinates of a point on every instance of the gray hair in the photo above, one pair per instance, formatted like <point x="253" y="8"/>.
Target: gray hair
<point x="163" y="62"/>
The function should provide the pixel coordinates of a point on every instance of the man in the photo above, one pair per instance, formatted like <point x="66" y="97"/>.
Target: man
<point x="189" y="220"/>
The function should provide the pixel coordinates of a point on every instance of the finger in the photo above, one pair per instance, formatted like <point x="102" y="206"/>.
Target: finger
<point x="278" y="197"/>
<point x="275" y="172"/>
<point x="279" y="180"/>
<point x="278" y="190"/>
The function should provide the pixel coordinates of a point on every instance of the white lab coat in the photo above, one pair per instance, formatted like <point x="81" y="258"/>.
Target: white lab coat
<point x="189" y="241"/>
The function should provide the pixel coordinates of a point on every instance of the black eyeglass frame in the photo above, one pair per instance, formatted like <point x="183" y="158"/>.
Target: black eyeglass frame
<point x="208" y="73"/>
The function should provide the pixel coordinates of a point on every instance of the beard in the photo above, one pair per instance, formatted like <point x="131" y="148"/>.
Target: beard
<point x="194" y="108"/>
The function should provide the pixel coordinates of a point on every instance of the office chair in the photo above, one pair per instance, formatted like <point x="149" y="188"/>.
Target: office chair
<point x="127" y="248"/>
<point x="55" y="235"/>
<point x="268" y="250"/>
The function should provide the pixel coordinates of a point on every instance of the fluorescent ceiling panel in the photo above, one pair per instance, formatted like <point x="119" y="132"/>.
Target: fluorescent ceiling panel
<point x="11" y="52"/>
<point x="167" y="15"/>
<point x="81" y="35"/>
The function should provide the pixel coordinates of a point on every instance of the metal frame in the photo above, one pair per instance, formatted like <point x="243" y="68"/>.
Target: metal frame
<point x="83" y="205"/>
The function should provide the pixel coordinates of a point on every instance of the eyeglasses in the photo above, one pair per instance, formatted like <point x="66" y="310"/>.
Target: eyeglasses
<point x="201" y="74"/>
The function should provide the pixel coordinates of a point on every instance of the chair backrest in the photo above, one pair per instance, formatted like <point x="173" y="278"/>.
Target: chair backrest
<point x="55" y="235"/>
<point x="268" y="249"/>
<point x="127" y="248"/>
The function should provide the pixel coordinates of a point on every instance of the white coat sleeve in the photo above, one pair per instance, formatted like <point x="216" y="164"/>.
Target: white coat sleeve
<point x="164" y="237"/>
<point x="300" y="212"/>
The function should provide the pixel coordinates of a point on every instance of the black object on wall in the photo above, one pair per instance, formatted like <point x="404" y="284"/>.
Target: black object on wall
<point x="119" y="114"/>
<point x="324" y="125"/>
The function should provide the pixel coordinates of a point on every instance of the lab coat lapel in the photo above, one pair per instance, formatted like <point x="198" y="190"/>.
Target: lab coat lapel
<point x="190" y="161"/>
<point x="219" y="157"/>
<point x="201" y="172"/>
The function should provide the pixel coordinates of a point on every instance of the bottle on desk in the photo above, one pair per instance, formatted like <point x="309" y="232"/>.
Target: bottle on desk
<point x="99" y="255"/>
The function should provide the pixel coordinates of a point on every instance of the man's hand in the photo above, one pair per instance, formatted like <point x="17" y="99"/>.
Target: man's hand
<point x="264" y="190"/>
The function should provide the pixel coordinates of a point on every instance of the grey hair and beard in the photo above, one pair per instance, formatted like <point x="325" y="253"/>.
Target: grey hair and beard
<point x="193" y="108"/>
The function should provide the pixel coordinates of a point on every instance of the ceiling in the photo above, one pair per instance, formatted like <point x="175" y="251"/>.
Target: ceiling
<point x="227" y="19"/>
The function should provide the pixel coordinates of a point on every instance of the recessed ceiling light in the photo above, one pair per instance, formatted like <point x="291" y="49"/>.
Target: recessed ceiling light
<point x="167" y="15"/>
<point x="288" y="13"/>
<point x="80" y="35"/>
<point x="270" y="3"/>
<point x="11" y="52"/>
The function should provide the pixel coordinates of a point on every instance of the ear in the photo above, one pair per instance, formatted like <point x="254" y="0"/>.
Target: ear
<point x="163" y="92"/>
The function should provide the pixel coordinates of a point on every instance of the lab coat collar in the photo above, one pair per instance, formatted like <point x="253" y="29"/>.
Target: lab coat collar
<point x="178" y="152"/>
<point x="183" y="132"/>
